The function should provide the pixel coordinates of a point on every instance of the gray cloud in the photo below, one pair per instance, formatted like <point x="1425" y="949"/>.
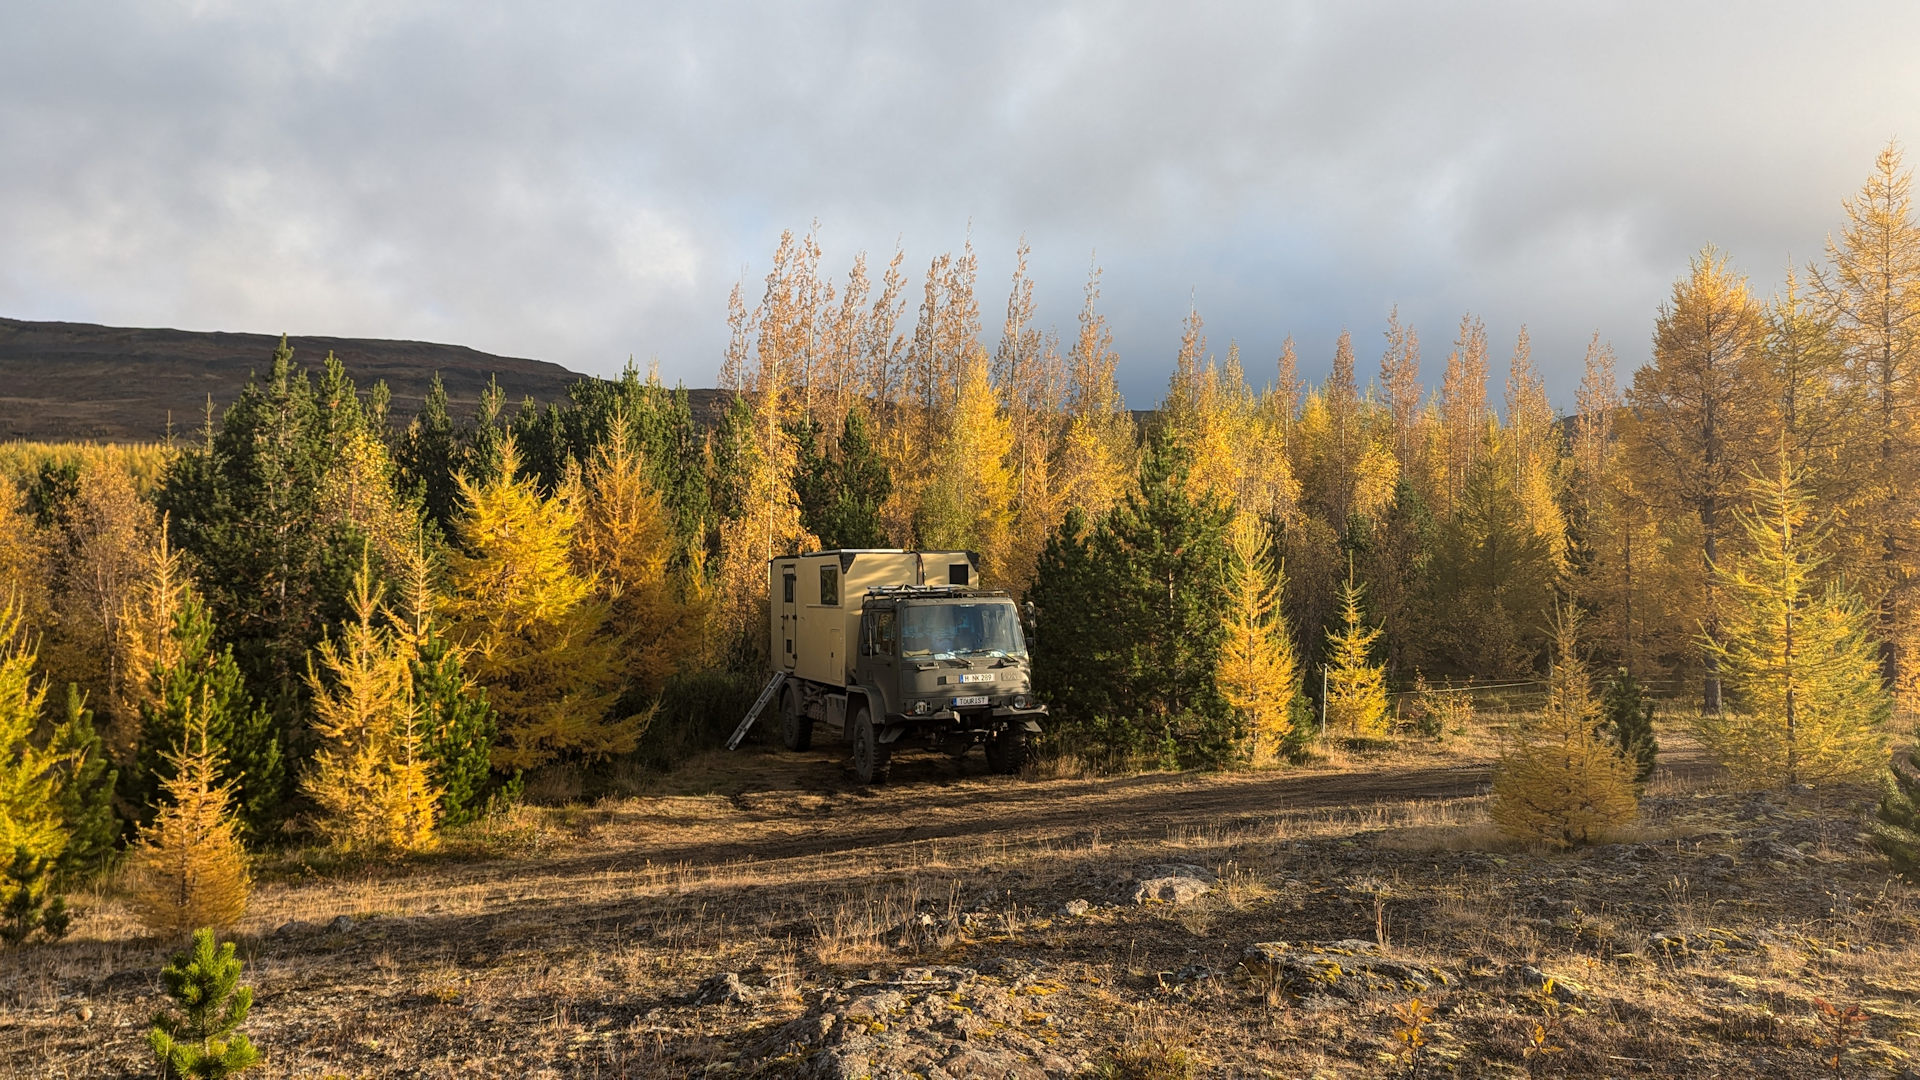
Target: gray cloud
<point x="584" y="182"/>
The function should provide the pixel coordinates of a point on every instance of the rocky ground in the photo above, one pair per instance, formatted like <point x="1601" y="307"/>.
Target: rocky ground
<point x="1302" y="923"/>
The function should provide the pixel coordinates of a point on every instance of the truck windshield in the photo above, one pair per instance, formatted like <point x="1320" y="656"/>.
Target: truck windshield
<point x="940" y="630"/>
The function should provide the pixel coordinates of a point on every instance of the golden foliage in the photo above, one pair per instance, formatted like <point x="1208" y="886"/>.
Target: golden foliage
<point x="1800" y="660"/>
<point x="144" y="463"/>
<point x="624" y="541"/>
<point x="534" y="627"/>
<point x="29" y="817"/>
<point x="1559" y="780"/>
<point x="969" y="504"/>
<point x="369" y="777"/>
<point x="1356" y="686"/>
<point x="1258" y="671"/>
<point x="188" y="869"/>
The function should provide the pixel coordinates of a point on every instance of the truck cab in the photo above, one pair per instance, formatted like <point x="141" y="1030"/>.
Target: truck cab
<point x="947" y="665"/>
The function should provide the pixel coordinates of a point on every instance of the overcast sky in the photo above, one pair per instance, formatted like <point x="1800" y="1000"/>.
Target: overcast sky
<point x="582" y="182"/>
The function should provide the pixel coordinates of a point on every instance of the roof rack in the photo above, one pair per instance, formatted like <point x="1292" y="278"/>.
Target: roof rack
<point x="935" y="591"/>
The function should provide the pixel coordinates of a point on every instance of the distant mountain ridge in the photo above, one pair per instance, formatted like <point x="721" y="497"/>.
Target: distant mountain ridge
<point x="79" y="381"/>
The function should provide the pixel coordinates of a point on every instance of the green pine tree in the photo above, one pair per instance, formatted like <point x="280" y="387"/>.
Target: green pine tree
<point x="206" y="675"/>
<point x="86" y="786"/>
<point x="196" y="1037"/>
<point x="1897" y="828"/>
<point x="460" y="727"/>
<point x="1131" y="619"/>
<point x="1629" y="722"/>
<point x="427" y="457"/>
<point x="31" y="901"/>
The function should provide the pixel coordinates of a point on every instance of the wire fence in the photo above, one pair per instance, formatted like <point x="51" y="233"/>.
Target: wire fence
<point x="1528" y="695"/>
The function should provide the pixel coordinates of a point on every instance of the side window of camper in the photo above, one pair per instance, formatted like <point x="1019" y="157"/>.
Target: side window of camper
<point x="830" y="586"/>
<point x="883" y="633"/>
<point x="957" y="574"/>
<point x="787" y="587"/>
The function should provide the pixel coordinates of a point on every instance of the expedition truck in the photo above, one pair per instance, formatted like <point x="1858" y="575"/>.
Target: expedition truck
<point x="888" y="647"/>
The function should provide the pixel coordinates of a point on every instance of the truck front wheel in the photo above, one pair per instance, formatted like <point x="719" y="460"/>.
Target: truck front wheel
<point x="796" y="730"/>
<point x="872" y="759"/>
<point x="1007" y="751"/>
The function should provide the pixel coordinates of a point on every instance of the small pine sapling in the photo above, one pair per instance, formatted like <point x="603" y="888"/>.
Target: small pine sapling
<point x="31" y="902"/>
<point x="1897" y="828"/>
<point x="196" y="1036"/>
<point x="1629" y="722"/>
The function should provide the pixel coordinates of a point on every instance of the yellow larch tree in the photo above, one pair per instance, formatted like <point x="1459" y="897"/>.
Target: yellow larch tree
<point x="29" y="816"/>
<point x="1258" y="673"/>
<point x="1464" y="417"/>
<point x="625" y="541"/>
<point x="369" y="777"/>
<point x="1356" y="702"/>
<point x="1799" y="659"/>
<point x="534" y="628"/>
<point x="1871" y="294"/>
<point x="188" y="869"/>
<point x="1561" y="780"/>
<point x="1695" y="423"/>
<point x="1530" y="446"/>
<point x="146" y="642"/>
<point x="1096" y="450"/>
<point x="969" y="503"/>
<point x="24" y="563"/>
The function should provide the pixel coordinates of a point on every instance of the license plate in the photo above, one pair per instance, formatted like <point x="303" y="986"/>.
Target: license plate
<point x="962" y="702"/>
<point x="982" y="677"/>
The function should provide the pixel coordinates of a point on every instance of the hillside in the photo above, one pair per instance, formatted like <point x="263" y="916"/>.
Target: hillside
<point x="62" y="381"/>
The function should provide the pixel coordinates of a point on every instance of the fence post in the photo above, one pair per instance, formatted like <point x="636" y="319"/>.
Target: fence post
<point x="1323" y="701"/>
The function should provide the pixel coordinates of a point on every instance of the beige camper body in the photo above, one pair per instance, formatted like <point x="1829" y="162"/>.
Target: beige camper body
<point x="816" y="598"/>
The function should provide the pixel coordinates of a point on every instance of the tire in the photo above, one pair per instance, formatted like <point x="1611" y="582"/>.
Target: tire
<point x="1007" y="751"/>
<point x="796" y="730"/>
<point x="872" y="760"/>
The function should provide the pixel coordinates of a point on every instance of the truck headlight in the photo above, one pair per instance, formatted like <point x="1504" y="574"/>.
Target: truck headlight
<point x="920" y="708"/>
<point x="1022" y="701"/>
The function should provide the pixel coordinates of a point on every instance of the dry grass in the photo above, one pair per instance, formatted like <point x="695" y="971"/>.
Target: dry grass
<point x="561" y="941"/>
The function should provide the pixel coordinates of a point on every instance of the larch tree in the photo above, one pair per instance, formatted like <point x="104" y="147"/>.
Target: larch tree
<point x="534" y="628"/>
<point x="188" y="869"/>
<point x="1356" y="698"/>
<point x="32" y="834"/>
<point x="1561" y="780"/>
<point x="1095" y="456"/>
<point x="1463" y="411"/>
<point x="1695" y="416"/>
<point x="1871" y="291"/>
<point x="1799" y="657"/>
<point x="1531" y="451"/>
<point x="969" y="502"/>
<point x="370" y="775"/>
<point x="1258" y="673"/>
<point x="625" y="541"/>
<point x="1400" y="380"/>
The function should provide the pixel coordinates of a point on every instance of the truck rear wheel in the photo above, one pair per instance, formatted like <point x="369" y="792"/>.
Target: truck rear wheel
<point x="1007" y="751"/>
<point x="872" y="759"/>
<point x="796" y="730"/>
